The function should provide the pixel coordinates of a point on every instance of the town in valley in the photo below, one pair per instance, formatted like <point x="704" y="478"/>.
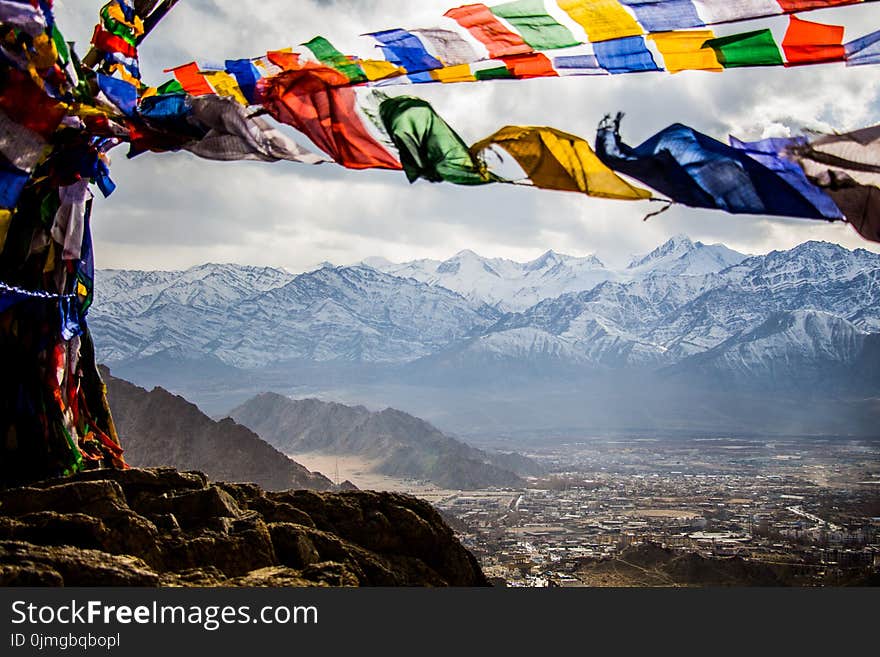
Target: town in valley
<point x="682" y="512"/>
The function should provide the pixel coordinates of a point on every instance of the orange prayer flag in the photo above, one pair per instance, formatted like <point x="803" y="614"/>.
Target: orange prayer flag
<point x="813" y="43"/>
<point x="191" y="80"/>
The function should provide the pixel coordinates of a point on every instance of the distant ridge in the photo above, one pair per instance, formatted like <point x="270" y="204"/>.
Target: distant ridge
<point x="405" y="446"/>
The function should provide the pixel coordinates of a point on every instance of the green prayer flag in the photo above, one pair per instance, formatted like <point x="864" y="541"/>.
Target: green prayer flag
<point x="113" y="26"/>
<point x="328" y="55"/>
<point x="428" y="147"/>
<point x="748" y="49"/>
<point x="170" y="87"/>
<point x="498" y="73"/>
<point x="61" y="46"/>
<point x="537" y="28"/>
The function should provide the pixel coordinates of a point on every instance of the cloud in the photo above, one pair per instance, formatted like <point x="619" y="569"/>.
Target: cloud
<point x="175" y="211"/>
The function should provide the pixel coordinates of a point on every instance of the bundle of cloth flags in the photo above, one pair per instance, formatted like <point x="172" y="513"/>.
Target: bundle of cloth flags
<point x="549" y="38"/>
<point x="54" y="138"/>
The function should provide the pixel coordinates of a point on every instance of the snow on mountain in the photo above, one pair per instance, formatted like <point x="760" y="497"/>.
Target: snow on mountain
<point x="249" y="318"/>
<point x="683" y="300"/>
<point x="513" y="286"/>
<point x="206" y="287"/>
<point x="807" y="345"/>
<point x="662" y="318"/>
<point x="682" y="257"/>
<point x="504" y="284"/>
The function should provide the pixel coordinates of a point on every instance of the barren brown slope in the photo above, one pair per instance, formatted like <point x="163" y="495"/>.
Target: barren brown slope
<point x="160" y="429"/>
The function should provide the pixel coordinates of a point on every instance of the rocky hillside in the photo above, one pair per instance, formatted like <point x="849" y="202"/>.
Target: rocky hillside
<point x="402" y="445"/>
<point x="168" y="528"/>
<point x="161" y="429"/>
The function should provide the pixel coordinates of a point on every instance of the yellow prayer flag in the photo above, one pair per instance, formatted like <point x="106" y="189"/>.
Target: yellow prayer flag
<point x="376" y="69"/>
<point x="602" y="19"/>
<point x="450" y="74"/>
<point x="684" y="51"/>
<point x="557" y="160"/>
<point x="225" y="85"/>
<point x="5" y="221"/>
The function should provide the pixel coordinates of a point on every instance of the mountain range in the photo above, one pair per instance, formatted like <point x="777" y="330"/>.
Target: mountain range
<point x="467" y="342"/>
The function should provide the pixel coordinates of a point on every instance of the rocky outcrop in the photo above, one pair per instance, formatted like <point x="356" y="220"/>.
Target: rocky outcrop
<point x="162" y="527"/>
<point x="160" y="429"/>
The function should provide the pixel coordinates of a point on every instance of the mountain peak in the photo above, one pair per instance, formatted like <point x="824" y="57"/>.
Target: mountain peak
<point x="675" y="247"/>
<point x="549" y="259"/>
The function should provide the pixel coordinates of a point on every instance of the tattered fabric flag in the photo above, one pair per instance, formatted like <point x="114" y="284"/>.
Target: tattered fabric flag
<point x="847" y="167"/>
<point x="665" y="15"/>
<point x="813" y="43"/>
<point x="12" y="182"/>
<point x="22" y="147"/>
<point x="492" y="69"/>
<point x="556" y="160"/>
<point x="534" y="65"/>
<point x="451" y="74"/>
<point x="28" y="105"/>
<point x="686" y="50"/>
<point x="428" y="147"/>
<point x="756" y="48"/>
<point x="122" y="94"/>
<point x="628" y="55"/>
<point x="225" y="85"/>
<point x="234" y="135"/>
<point x="68" y="228"/>
<point x="165" y="124"/>
<point x="247" y="76"/>
<point x="120" y="19"/>
<point x="327" y="54"/>
<point x="191" y="79"/>
<point x="286" y="60"/>
<point x="603" y="20"/>
<point x="863" y="51"/>
<point x="450" y="47"/>
<point x="110" y="43"/>
<point x="695" y="170"/>
<point x="538" y="28"/>
<point x="479" y="20"/>
<point x="578" y="65"/>
<point x="406" y="50"/>
<point x="771" y="153"/>
<point x="23" y="15"/>
<point x="5" y="221"/>
<point x="313" y="102"/>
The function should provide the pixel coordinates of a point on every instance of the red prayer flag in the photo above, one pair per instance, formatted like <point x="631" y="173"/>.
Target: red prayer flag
<point x="791" y="6"/>
<point x="315" y="102"/>
<point x="482" y="23"/>
<point x="28" y="105"/>
<point x="108" y="42"/>
<point x="534" y="65"/>
<point x="813" y="43"/>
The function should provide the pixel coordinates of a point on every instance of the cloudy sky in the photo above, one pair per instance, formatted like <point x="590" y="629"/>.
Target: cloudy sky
<point x="174" y="211"/>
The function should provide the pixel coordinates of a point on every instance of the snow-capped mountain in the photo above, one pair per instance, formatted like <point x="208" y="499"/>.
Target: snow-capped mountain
<point x="249" y="317"/>
<point x="803" y="347"/>
<point x="682" y="257"/>
<point x="516" y="286"/>
<point x="681" y="303"/>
